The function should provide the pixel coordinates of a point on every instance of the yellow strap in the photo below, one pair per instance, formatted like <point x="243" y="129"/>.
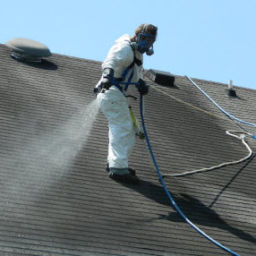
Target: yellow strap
<point x="134" y="120"/>
<point x="189" y="104"/>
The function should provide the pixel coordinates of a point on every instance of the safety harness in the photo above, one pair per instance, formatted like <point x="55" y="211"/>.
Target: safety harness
<point x="117" y="82"/>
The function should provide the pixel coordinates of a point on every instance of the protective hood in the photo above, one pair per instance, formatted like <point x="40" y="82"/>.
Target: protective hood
<point x="123" y="38"/>
<point x="120" y="56"/>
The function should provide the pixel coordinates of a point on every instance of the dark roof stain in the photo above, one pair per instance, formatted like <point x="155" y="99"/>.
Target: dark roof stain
<point x="56" y="198"/>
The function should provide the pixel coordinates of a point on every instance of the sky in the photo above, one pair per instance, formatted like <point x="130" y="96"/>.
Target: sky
<point x="213" y="40"/>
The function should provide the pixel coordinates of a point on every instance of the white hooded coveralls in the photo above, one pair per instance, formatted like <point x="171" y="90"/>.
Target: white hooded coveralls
<point x="114" y="105"/>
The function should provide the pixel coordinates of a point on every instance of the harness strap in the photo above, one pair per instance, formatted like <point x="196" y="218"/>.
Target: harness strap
<point x="129" y="80"/>
<point x="126" y="71"/>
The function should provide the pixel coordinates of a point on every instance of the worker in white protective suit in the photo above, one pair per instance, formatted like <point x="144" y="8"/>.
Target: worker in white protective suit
<point x="122" y="68"/>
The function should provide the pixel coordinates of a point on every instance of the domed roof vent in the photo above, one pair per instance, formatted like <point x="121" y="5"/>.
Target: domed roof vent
<point x="28" y="50"/>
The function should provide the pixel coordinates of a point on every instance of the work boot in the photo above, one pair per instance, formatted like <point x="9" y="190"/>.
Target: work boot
<point x="123" y="175"/>
<point x="131" y="170"/>
<point x="126" y="178"/>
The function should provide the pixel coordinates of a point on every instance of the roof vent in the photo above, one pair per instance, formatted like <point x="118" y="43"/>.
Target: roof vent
<point x="160" y="77"/>
<point x="231" y="91"/>
<point x="28" y="50"/>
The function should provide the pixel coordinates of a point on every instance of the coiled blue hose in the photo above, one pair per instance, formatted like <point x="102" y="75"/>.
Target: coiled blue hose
<point x="172" y="201"/>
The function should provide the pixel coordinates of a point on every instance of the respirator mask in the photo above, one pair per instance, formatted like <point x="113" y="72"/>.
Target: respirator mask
<point x="145" y="42"/>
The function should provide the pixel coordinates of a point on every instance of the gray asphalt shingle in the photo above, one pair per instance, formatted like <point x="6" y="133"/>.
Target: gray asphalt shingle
<point x="56" y="198"/>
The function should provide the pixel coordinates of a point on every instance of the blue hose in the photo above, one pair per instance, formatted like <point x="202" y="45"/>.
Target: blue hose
<point x="221" y="109"/>
<point x="173" y="203"/>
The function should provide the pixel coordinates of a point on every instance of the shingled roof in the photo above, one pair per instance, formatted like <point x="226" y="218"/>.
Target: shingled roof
<point x="56" y="198"/>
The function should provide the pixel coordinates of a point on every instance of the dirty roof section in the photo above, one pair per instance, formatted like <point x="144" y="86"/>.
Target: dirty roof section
<point x="56" y="198"/>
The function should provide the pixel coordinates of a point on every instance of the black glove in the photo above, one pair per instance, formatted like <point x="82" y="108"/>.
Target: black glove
<point x="142" y="87"/>
<point x="107" y="78"/>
